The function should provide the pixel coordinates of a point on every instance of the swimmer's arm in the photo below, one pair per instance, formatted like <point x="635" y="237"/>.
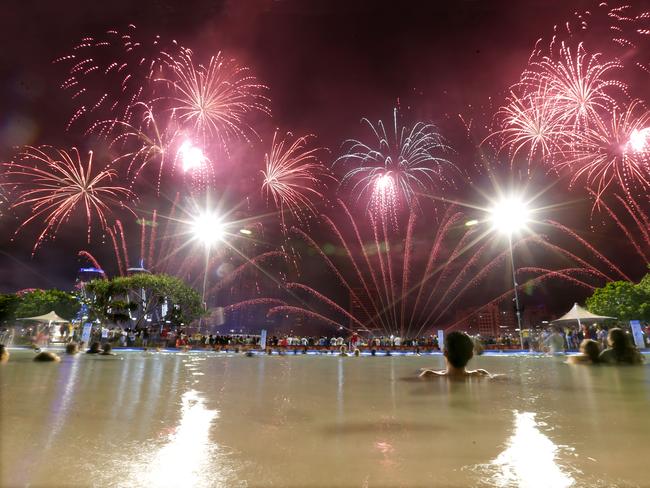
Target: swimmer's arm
<point x="431" y="372"/>
<point x="483" y="372"/>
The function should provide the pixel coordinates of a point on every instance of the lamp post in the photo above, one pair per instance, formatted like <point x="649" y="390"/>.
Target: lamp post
<point x="508" y="216"/>
<point x="207" y="228"/>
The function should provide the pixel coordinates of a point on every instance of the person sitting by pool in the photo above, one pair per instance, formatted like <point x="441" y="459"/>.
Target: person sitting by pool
<point x="94" y="348"/>
<point x="4" y="354"/>
<point x="107" y="351"/>
<point x="459" y="349"/>
<point x="46" y="356"/>
<point x="589" y="353"/>
<point x="620" y="350"/>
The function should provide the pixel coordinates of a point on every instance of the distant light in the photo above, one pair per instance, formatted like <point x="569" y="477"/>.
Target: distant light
<point x="91" y="270"/>
<point x="471" y="223"/>
<point x="509" y="215"/>
<point x="245" y="231"/>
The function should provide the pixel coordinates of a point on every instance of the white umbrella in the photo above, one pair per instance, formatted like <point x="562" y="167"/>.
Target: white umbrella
<point x="48" y="317"/>
<point x="578" y="314"/>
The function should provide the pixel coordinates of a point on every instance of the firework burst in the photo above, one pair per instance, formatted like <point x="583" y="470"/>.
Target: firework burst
<point x="531" y="123"/>
<point x="293" y="176"/>
<point x="54" y="183"/>
<point x="109" y="73"/>
<point x="395" y="165"/>
<point x="613" y="151"/>
<point x="579" y="84"/>
<point x="146" y="144"/>
<point x="215" y="100"/>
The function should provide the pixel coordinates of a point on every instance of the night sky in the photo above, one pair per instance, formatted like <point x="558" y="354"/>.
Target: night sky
<point x="327" y="63"/>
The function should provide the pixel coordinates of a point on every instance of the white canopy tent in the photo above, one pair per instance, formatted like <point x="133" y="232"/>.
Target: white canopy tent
<point x="50" y="317"/>
<point x="580" y="314"/>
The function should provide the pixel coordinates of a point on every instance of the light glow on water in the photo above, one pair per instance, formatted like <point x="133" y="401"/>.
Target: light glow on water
<point x="530" y="459"/>
<point x="184" y="461"/>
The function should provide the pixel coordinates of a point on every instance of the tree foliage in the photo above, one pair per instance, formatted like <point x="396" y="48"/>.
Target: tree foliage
<point x="142" y="295"/>
<point x="623" y="300"/>
<point x="39" y="302"/>
<point x="8" y="305"/>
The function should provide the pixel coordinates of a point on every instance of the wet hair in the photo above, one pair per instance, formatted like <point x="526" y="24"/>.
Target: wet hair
<point x="4" y="353"/>
<point x="94" y="348"/>
<point x="624" y="351"/>
<point x="71" y="348"/>
<point x="459" y="349"/>
<point x="46" y="356"/>
<point x="107" y="348"/>
<point x="591" y="349"/>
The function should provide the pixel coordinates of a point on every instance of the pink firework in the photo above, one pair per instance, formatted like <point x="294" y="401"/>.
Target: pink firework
<point x="425" y="276"/>
<point x="109" y="73"/>
<point x="395" y="165"/>
<point x="579" y="83"/>
<point x="531" y="123"/>
<point x="54" y="183"/>
<point x="214" y="100"/>
<point x="141" y="144"/>
<point x="613" y="151"/>
<point x="294" y="176"/>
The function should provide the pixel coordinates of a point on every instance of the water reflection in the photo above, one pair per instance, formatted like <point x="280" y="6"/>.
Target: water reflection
<point x="529" y="461"/>
<point x="185" y="459"/>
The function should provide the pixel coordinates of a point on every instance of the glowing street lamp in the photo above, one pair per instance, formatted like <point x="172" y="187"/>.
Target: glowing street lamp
<point x="508" y="216"/>
<point x="208" y="228"/>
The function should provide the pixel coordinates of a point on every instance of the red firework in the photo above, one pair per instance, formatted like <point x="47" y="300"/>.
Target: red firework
<point x="294" y="176"/>
<point x="54" y="183"/>
<point x="613" y="151"/>
<point x="214" y="100"/>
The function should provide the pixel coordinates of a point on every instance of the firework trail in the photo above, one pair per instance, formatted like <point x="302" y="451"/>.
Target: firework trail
<point x="110" y="73"/>
<point x="54" y="183"/>
<point x="420" y="281"/>
<point x="629" y="216"/>
<point x="293" y="177"/>
<point x="216" y="100"/>
<point x="394" y="165"/>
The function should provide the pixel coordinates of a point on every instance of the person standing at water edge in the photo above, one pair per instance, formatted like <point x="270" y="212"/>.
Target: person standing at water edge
<point x="459" y="349"/>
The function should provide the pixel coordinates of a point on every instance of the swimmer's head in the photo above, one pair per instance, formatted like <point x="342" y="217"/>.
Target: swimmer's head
<point x="459" y="349"/>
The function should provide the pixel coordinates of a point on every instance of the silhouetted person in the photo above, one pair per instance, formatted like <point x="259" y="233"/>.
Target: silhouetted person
<point x="459" y="349"/>
<point x="95" y="348"/>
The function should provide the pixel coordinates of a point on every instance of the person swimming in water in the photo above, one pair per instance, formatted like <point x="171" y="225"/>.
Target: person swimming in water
<point x="459" y="349"/>
<point x="589" y="352"/>
<point x="620" y="349"/>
